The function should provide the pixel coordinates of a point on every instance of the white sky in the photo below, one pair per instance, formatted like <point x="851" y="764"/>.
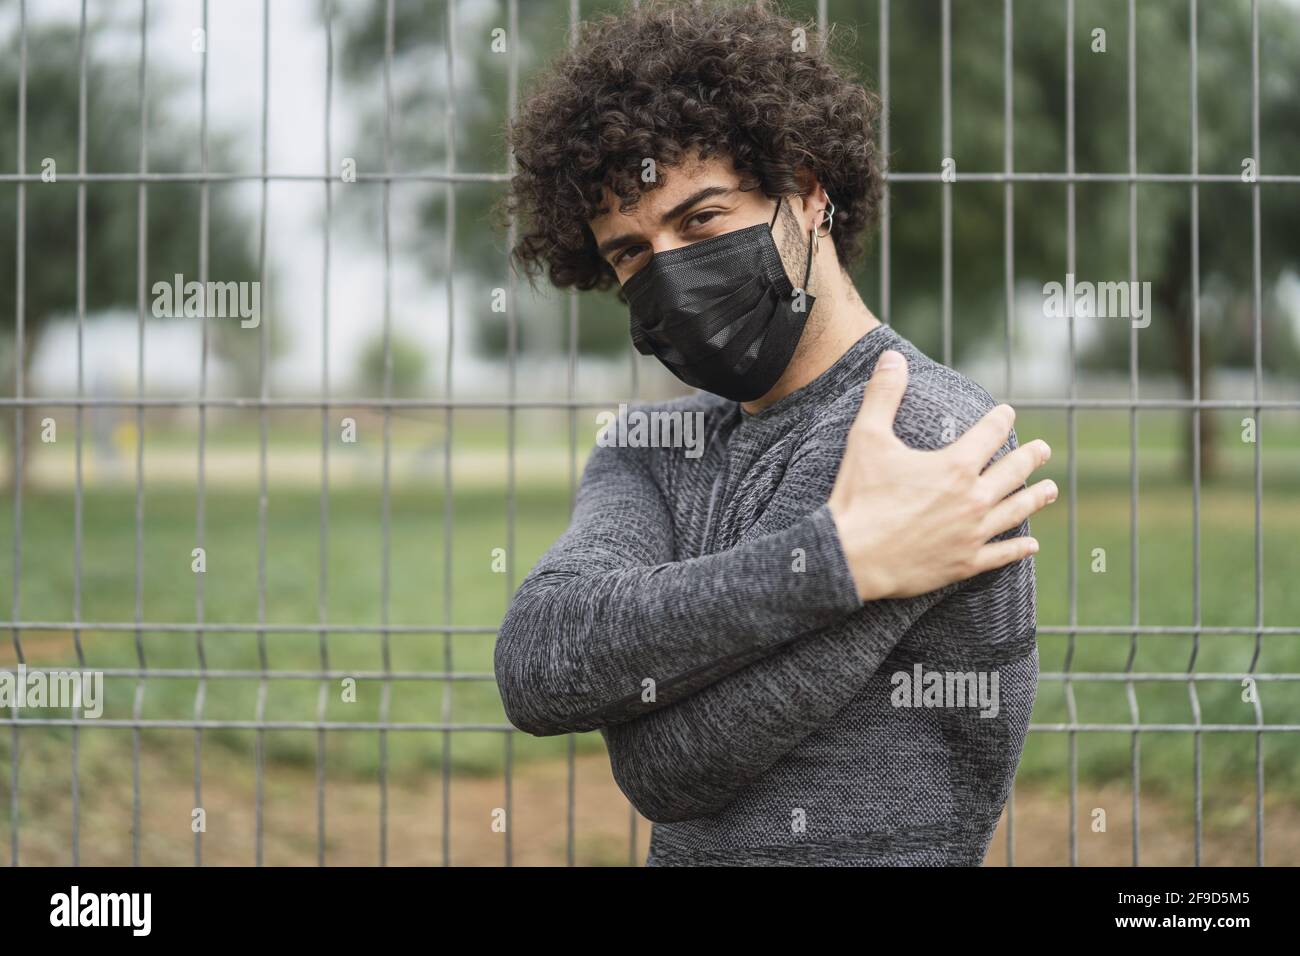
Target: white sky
<point x="294" y="240"/>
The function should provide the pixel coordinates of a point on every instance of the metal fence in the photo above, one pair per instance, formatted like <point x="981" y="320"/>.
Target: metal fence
<point x="450" y="178"/>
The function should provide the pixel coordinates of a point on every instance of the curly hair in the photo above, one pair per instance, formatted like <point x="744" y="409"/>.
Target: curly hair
<point x="671" y="78"/>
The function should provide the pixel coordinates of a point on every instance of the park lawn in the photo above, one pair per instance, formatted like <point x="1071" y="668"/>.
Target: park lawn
<point x="479" y="596"/>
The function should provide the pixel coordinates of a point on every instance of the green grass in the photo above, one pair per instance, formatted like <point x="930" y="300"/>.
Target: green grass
<point x="479" y="596"/>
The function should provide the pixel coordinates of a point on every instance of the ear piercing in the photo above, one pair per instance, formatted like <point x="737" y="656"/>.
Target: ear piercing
<point x="828" y="220"/>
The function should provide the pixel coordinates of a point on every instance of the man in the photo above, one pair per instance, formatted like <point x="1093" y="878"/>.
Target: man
<point x="813" y="643"/>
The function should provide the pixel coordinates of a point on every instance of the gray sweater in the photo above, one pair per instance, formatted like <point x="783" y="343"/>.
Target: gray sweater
<point x="700" y="613"/>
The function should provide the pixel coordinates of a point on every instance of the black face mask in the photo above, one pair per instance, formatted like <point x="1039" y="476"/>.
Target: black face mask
<point x="719" y="313"/>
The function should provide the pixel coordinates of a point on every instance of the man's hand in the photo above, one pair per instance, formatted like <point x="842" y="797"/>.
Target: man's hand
<point x="913" y="521"/>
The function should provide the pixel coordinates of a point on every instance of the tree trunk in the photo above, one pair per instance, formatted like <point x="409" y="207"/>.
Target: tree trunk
<point x="9" y="421"/>
<point x="1209" y="442"/>
<point x="1175" y="305"/>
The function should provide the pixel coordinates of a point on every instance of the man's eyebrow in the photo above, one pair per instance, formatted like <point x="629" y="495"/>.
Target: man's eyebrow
<point x="708" y="192"/>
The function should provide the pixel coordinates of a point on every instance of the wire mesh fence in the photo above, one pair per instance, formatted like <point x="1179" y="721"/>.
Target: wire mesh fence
<point x="440" y="731"/>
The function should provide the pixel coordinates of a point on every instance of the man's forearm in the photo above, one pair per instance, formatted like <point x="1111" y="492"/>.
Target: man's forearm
<point x="586" y="648"/>
<point x="692" y="758"/>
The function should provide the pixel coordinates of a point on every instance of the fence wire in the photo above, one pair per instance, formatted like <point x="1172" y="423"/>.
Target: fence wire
<point x="452" y="177"/>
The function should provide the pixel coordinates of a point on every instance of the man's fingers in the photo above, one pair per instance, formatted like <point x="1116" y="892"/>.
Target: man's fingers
<point x="1011" y="512"/>
<point x="884" y="392"/>
<point x="982" y="440"/>
<point x="1012" y="470"/>
<point x="998" y="554"/>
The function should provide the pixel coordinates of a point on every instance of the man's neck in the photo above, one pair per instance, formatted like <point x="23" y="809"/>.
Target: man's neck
<point x="846" y="320"/>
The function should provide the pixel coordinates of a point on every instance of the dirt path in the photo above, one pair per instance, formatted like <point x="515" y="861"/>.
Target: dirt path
<point x="538" y="826"/>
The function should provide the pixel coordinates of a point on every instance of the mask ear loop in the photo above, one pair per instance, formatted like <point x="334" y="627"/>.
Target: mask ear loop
<point x="813" y="243"/>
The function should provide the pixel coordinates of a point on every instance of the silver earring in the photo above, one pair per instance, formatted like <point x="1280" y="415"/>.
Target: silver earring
<point x="829" y="221"/>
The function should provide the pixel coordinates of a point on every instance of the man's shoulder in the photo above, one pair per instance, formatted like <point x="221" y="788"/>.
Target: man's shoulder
<point x="940" y="403"/>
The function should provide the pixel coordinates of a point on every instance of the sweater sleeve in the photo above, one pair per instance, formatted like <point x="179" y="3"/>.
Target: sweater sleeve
<point x="606" y="626"/>
<point x="693" y="758"/>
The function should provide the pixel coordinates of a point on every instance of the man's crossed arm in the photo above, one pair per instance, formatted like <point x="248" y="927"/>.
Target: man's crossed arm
<point x="607" y="609"/>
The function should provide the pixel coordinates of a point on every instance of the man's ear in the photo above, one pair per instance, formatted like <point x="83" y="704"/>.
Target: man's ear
<point x="811" y="199"/>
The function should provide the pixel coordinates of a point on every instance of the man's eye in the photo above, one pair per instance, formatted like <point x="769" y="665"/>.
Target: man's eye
<point x="627" y="252"/>
<point x="700" y="218"/>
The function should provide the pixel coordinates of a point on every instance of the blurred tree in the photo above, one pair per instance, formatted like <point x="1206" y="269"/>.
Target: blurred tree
<point x="1101" y="145"/>
<point x="112" y="215"/>
<point x="409" y="366"/>
<point x="421" y="108"/>
<point x="1039" y="80"/>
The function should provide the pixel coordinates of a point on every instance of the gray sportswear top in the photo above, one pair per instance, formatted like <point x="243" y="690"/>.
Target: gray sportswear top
<point x="700" y="613"/>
